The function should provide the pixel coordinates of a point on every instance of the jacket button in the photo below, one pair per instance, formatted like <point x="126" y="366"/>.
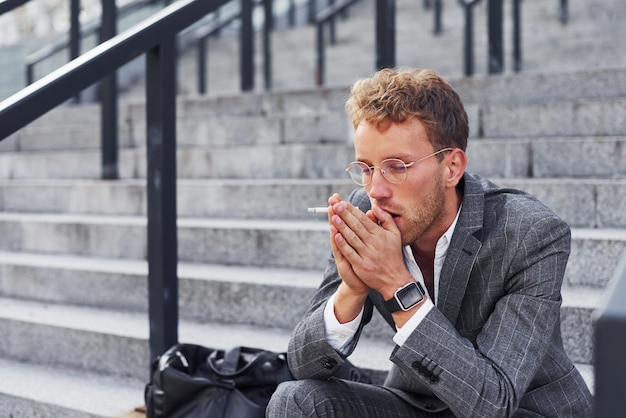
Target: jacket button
<point x="330" y="363"/>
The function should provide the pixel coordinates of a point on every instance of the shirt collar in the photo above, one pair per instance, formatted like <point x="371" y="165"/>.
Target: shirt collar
<point x="443" y="243"/>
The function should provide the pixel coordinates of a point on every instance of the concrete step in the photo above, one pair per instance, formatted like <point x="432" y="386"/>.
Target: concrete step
<point x="246" y="242"/>
<point x="549" y="157"/>
<point x="261" y="296"/>
<point x="71" y="394"/>
<point x="583" y="203"/>
<point x="577" y="321"/>
<point x="584" y="103"/>
<point x="602" y="117"/>
<point x="115" y="343"/>
<point x="592" y="39"/>
<point x="296" y="244"/>
<point x="256" y="162"/>
<point x="220" y="131"/>
<point x="114" y="361"/>
<point x="273" y="199"/>
<point x="526" y="88"/>
<point x="34" y="390"/>
<point x="261" y="301"/>
<point x="541" y="157"/>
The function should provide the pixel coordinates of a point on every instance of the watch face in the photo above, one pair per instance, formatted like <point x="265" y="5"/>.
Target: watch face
<point x="409" y="296"/>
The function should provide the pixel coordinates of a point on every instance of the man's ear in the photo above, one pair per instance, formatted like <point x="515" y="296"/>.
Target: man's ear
<point x="455" y="161"/>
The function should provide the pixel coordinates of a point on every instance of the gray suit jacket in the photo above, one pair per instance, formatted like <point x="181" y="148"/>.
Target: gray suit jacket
<point x="492" y="346"/>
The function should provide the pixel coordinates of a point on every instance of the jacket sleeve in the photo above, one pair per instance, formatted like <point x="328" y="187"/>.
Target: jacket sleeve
<point x="309" y="353"/>
<point x="514" y="296"/>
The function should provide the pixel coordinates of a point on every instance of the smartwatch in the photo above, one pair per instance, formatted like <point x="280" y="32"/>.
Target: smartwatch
<point x="406" y="297"/>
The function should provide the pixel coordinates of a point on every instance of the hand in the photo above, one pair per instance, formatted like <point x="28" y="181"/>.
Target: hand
<point x="347" y="274"/>
<point x="367" y="248"/>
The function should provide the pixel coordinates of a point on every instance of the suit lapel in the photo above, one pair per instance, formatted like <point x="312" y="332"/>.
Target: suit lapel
<point x="463" y="250"/>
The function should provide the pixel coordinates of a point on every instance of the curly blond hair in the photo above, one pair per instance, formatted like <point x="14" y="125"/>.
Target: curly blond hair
<point x="398" y="95"/>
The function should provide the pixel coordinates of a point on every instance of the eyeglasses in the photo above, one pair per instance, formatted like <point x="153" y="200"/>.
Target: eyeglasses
<point x="394" y="170"/>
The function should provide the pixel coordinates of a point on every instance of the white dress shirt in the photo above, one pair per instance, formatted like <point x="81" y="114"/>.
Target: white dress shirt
<point x="340" y="335"/>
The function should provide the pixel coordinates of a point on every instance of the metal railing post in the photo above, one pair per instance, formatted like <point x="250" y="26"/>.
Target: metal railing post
<point x="563" y="11"/>
<point x="312" y="11"/>
<point x="74" y="34"/>
<point x="291" y="14"/>
<point x="517" y="35"/>
<point x="161" y="191"/>
<point x="468" y="40"/>
<point x="385" y="34"/>
<point x="74" y="29"/>
<point x="246" y="46"/>
<point x="30" y="73"/>
<point x="332" y="30"/>
<point x="216" y="16"/>
<point x="202" y="67"/>
<point x="321" y="59"/>
<point x="495" y="18"/>
<point x="108" y="99"/>
<point x="267" y="44"/>
<point x="437" y="26"/>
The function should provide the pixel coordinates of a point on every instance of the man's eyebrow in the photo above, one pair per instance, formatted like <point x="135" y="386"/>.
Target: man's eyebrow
<point x="401" y="157"/>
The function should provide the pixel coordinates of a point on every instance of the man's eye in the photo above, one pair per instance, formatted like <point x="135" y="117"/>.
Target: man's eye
<point x="396" y="167"/>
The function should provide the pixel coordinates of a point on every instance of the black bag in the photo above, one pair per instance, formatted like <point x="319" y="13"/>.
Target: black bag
<point x="192" y="381"/>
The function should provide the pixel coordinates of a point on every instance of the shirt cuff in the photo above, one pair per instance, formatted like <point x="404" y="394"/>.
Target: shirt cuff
<point x="409" y="326"/>
<point x="339" y="336"/>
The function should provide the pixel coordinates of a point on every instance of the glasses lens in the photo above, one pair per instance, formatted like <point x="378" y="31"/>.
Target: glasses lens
<point x="394" y="170"/>
<point x="359" y="172"/>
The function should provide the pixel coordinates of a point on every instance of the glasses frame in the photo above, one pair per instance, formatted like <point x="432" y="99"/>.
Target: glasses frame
<point x="384" y="172"/>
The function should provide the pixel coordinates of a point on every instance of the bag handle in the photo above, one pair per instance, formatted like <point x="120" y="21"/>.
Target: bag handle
<point x="231" y="360"/>
<point x="228" y="366"/>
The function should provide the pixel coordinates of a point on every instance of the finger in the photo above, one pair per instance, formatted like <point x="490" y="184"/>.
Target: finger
<point x="346" y="235"/>
<point x="335" y="198"/>
<point x="344" y="267"/>
<point x="360" y="225"/>
<point x="340" y="247"/>
<point x="383" y="218"/>
<point x="347" y="251"/>
<point x="332" y="200"/>
<point x="368" y="220"/>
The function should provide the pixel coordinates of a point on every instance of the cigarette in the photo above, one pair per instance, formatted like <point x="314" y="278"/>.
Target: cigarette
<point x="318" y="210"/>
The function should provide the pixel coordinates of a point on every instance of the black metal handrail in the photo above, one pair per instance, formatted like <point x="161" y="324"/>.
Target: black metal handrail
<point x="8" y="5"/>
<point x="327" y="17"/>
<point x="201" y="36"/>
<point x="495" y="53"/>
<point x="214" y="27"/>
<point x="89" y="29"/>
<point x="437" y="6"/>
<point x="247" y="71"/>
<point x="156" y="37"/>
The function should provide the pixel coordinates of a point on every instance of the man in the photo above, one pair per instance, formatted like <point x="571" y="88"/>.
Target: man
<point x="467" y="273"/>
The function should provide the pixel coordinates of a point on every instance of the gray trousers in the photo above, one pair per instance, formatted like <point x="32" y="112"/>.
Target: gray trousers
<point x="338" y="398"/>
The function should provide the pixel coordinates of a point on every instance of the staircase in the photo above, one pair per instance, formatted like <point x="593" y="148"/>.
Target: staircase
<point x="73" y="275"/>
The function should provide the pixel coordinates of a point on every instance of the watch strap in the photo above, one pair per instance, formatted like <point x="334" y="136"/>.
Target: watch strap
<point x="393" y="304"/>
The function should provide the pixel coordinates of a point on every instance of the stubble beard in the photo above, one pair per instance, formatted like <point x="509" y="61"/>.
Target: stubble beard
<point x="425" y="214"/>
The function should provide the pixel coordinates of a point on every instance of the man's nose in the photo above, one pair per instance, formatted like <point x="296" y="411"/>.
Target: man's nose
<point x="378" y="186"/>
